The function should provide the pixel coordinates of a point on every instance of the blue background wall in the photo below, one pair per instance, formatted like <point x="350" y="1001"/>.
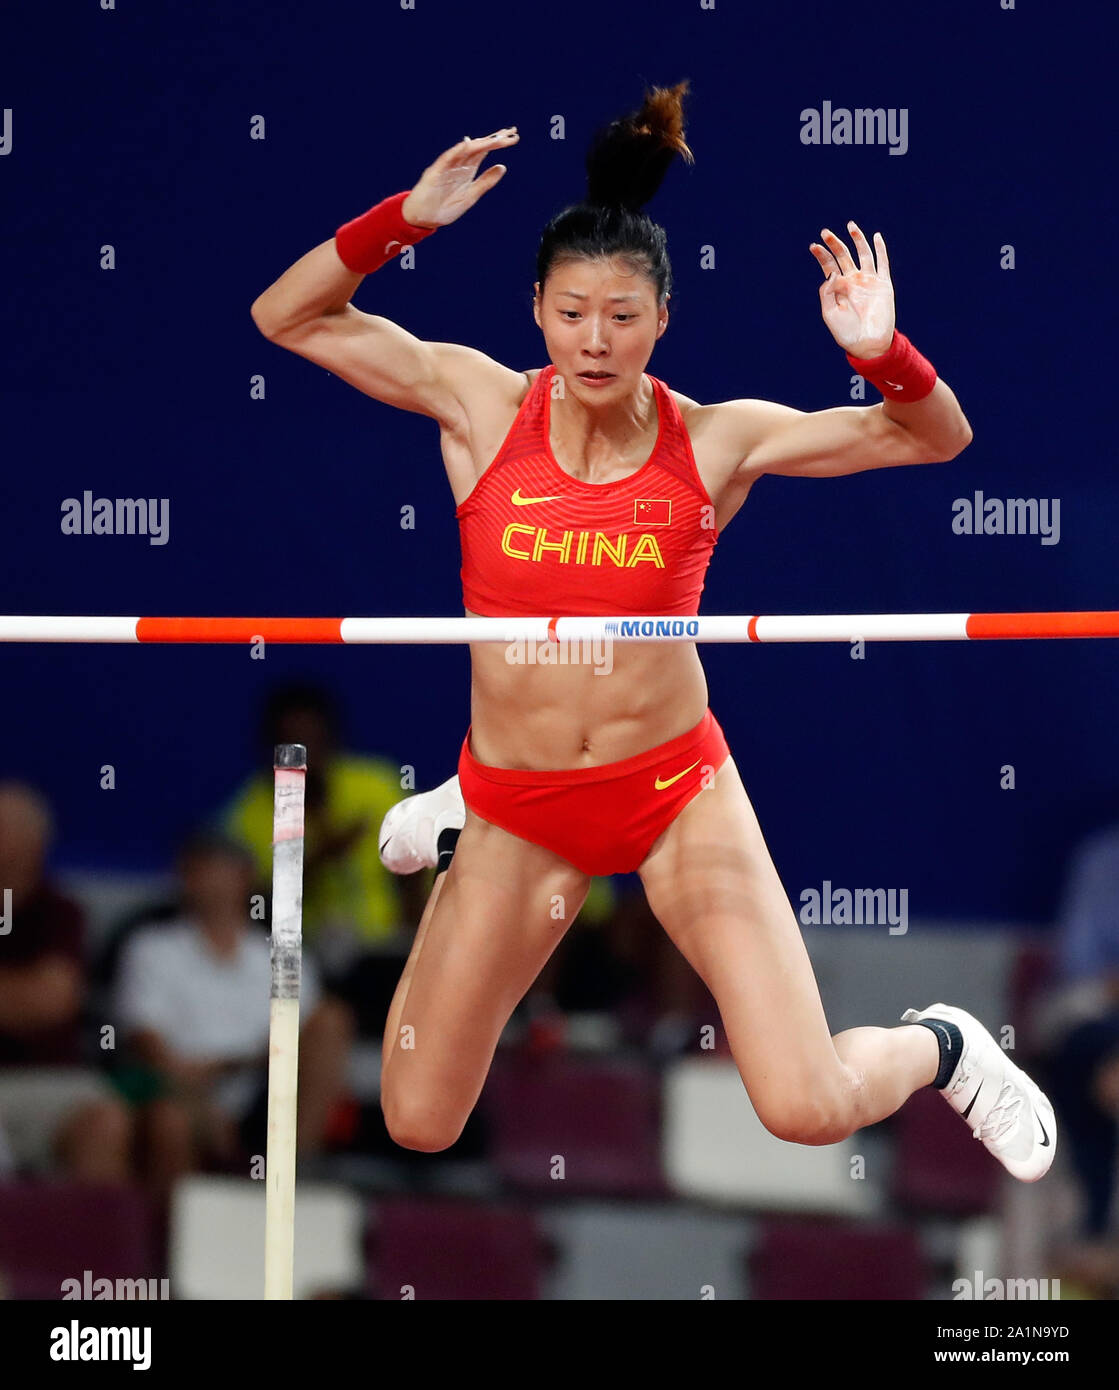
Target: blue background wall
<point x="132" y="127"/>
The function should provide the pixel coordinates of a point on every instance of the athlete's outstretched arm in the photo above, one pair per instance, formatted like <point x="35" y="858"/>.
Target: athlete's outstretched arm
<point x="308" y="309"/>
<point x="857" y="303"/>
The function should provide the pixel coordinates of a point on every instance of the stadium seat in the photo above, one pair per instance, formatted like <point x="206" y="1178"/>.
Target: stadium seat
<point x="646" y="1251"/>
<point x="54" y="1231"/>
<point x="716" y="1149"/>
<point x="575" y="1126"/>
<point x="217" y="1239"/>
<point x="836" y="1260"/>
<point x="441" y="1249"/>
<point x="939" y="1167"/>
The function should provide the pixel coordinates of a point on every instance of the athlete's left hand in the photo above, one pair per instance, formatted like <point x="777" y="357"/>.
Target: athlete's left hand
<point x="857" y="301"/>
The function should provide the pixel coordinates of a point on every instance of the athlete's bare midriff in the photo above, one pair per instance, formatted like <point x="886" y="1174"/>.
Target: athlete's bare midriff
<point x="600" y="706"/>
<point x="563" y="716"/>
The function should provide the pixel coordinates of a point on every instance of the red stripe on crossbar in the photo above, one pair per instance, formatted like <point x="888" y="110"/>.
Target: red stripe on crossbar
<point x="1101" y="624"/>
<point x="239" y="629"/>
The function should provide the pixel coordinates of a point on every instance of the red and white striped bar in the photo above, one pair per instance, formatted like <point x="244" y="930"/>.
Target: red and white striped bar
<point x="836" y="627"/>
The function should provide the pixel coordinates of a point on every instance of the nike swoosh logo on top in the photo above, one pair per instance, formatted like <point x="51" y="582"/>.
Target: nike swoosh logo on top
<point x="972" y="1101"/>
<point x="660" y="786"/>
<point x="390" y="244"/>
<point x="894" y="384"/>
<point x="1044" y="1136"/>
<point x="519" y="501"/>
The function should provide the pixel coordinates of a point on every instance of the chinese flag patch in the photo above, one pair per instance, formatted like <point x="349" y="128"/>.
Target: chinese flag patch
<point x="652" y="511"/>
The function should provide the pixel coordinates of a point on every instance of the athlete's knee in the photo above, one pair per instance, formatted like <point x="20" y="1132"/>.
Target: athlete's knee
<point x="416" y="1125"/>
<point x="811" y="1115"/>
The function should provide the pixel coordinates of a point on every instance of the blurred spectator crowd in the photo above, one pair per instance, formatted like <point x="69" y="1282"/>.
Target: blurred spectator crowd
<point x="141" y="1057"/>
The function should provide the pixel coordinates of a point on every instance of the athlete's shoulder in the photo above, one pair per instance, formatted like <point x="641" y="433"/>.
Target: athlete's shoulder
<point x="684" y="402"/>
<point x="473" y="375"/>
<point x="688" y="408"/>
<point x="722" y="422"/>
<point x="696" y="418"/>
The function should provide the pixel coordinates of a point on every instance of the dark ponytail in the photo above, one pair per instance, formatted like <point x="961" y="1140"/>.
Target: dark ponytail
<point x="626" y="164"/>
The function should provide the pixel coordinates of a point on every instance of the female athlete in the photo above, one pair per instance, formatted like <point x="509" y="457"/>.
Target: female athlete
<point x="588" y="487"/>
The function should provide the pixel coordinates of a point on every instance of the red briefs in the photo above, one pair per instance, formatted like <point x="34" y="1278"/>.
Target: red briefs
<point x="603" y="819"/>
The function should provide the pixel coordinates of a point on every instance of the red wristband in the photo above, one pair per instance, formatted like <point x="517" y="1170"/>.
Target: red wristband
<point x="366" y="243"/>
<point x="900" y="373"/>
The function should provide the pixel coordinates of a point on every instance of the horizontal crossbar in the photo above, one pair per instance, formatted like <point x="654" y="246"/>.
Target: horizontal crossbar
<point x="836" y="627"/>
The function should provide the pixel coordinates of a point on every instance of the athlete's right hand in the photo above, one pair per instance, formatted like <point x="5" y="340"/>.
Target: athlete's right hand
<point x="447" y="188"/>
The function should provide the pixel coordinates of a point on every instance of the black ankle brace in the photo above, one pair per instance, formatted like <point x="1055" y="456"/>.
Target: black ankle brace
<point x="446" y="846"/>
<point x="951" y="1048"/>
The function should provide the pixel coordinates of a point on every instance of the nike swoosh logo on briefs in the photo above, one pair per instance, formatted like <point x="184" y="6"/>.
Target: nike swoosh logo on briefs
<point x="972" y="1101"/>
<point x="660" y="786"/>
<point x="390" y="244"/>
<point x="519" y="501"/>
<point x="894" y="384"/>
<point x="1044" y="1136"/>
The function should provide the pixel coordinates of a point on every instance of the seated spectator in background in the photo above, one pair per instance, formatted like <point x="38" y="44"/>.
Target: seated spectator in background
<point x="617" y="963"/>
<point x="673" y="1003"/>
<point x="1081" y="1025"/>
<point x="193" y="1001"/>
<point x="54" y="1110"/>
<point x="358" y="918"/>
<point x="581" y="976"/>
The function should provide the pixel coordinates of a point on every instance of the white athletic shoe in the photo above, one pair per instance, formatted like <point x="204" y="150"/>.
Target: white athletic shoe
<point x="1004" y="1108"/>
<point x="409" y="834"/>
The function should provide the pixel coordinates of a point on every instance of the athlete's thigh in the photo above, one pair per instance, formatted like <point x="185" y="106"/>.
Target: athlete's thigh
<point x="503" y="909"/>
<point x="712" y="884"/>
